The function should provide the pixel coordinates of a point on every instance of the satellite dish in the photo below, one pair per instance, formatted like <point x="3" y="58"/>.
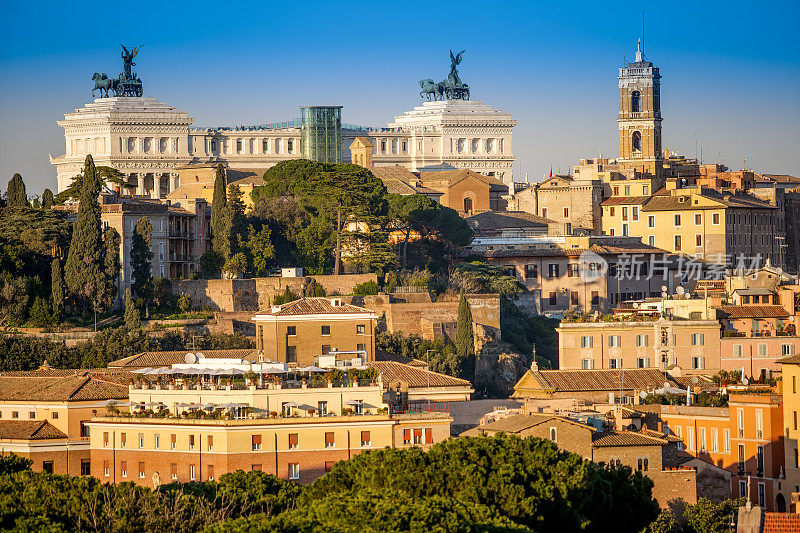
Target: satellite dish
<point x="745" y="381"/>
<point x="680" y="291"/>
<point x="190" y="358"/>
<point x="636" y="305"/>
<point x="200" y="356"/>
<point x="664" y="288"/>
<point x="643" y="394"/>
<point x="695" y="380"/>
<point x="664" y="294"/>
<point x="779" y="270"/>
<point x="666" y="384"/>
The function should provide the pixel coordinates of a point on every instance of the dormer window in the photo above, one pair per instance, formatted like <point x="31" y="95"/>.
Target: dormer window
<point x="336" y="302"/>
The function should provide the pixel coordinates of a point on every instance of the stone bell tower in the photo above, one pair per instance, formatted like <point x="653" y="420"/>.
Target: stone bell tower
<point x="640" y="115"/>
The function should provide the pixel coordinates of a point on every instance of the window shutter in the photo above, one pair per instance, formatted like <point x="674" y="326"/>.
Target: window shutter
<point x="105" y="436"/>
<point x="210" y="440"/>
<point x="210" y="471"/>
<point x="123" y="437"/>
<point x="365" y="436"/>
<point x="418" y="432"/>
<point x="141" y="467"/>
<point x="173" y="437"/>
<point x="293" y="439"/>
<point x="406" y="434"/>
<point x="329" y="437"/>
<point x="428" y="436"/>
<point x="173" y="469"/>
<point x="123" y="465"/>
<point x="256" y="439"/>
<point x="105" y="464"/>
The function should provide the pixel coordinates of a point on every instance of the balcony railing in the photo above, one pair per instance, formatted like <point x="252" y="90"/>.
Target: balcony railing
<point x="176" y="234"/>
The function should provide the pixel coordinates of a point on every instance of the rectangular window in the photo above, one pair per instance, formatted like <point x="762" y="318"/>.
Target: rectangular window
<point x="255" y="442"/>
<point x="293" y="441"/>
<point x="762" y="495"/>
<point x="742" y="488"/>
<point x="141" y="470"/>
<point x="787" y="350"/>
<point x="587" y="364"/>
<point x="326" y="330"/>
<point x="255" y="468"/>
<point x="698" y="363"/>
<point x="294" y="471"/>
<point x="361" y="347"/>
<point x="737" y="350"/>
<point x="544" y="212"/>
<point x="574" y="298"/>
<point x="642" y="340"/>
<point x="105" y="469"/>
<point x="740" y="422"/>
<point x="105" y="438"/>
<point x="642" y="362"/>
<point x="291" y="330"/>
<point x="726" y="440"/>
<point x="365" y="439"/>
<point x="690" y="437"/>
<point x="361" y="329"/>
<point x="677" y="243"/>
<point x="418" y="436"/>
<point x="635" y="213"/>
<point x="211" y="472"/>
<point x="677" y="220"/>
<point x="698" y="219"/>
<point x="595" y="297"/>
<point x="566" y="212"/>
<point x="698" y="339"/>
<point x="210" y="439"/>
<point x="552" y="270"/>
<point x="141" y="440"/>
<point x="715" y="218"/>
<point x="651" y="240"/>
<point x="55" y="416"/>
<point x="123" y="466"/>
<point x="624" y="213"/>
<point x="191" y="442"/>
<point x="322" y="408"/>
<point x="587" y="341"/>
<point x="291" y="354"/>
<point x="759" y="424"/>
<point x="760" y="460"/>
<point x="406" y="436"/>
<point x="191" y="472"/>
<point x="553" y="300"/>
<point x="651" y="221"/>
<point x="573" y="270"/>
<point x="157" y="441"/>
<point x="173" y="440"/>
<point x="326" y="349"/>
<point x="614" y="341"/>
<point x="531" y="271"/>
<point x="86" y="467"/>
<point x="615" y="363"/>
<point x="428" y="436"/>
<point x="329" y="439"/>
<point x="173" y="470"/>
<point x="123" y="440"/>
<point x="762" y="350"/>
<point x="701" y="438"/>
<point x="678" y="433"/>
<point x="624" y="230"/>
<point x="714" y="440"/>
<point x="698" y="240"/>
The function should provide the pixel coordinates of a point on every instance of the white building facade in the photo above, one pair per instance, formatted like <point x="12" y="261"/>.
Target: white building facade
<point x="146" y="139"/>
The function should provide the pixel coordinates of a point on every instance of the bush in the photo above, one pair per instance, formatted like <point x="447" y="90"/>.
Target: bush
<point x="314" y="289"/>
<point x="287" y="296"/>
<point x="363" y="289"/>
<point x="184" y="302"/>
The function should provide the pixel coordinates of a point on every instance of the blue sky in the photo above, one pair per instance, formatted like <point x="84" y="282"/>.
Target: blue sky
<point x="731" y="70"/>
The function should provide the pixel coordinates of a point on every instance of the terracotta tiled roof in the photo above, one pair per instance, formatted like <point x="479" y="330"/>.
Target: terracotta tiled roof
<point x="60" y="389"/>
<point x="29" y="430"/>
<point x="415" y="376"/>
<point x="381" y="355"/>
<point x="169" y="358"/>
<point x="492" y="220"/>
<point x="317" y="306"/>
<point x="792" y="360"/>
<point x="519" y="424"/>
<point x="626" y="438"/>
<point x="395" y="172"/>
<point x="751" y="311"/>
<point x="541" y="251"/>
<point x="115" y="375"/>
<point x="589" y="380"/>
<point x="779" y="178"/>
<point x="781" y="523"/>
<point x="626" y="200"/>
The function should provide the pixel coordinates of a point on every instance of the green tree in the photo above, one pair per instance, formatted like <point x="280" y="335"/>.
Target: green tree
<point x="664" y="523"/>
<point x="465" y="338"/>
<point x="108" y="177"/>
<point x="13" y="463"/>
<point x="132" y="318"/>
<point x="368" y="287"/>
<point x="236" y="265"/>
<point x="211" y="264"/>
<point x="57" y="289"/>
<point x="707" y="516"/>
<point x="15" y="194"/>
<point x="481" y="277"/>
<point x="111" y="265"/>
<point x="141" y="257"/>
<point x="47" y="199"/>
<point x="221" y="217"/>
<point x="40" y="313"/>
<point x="314" y="289"/>
<point x="236" y="209"/>
<point x="83" y="271"/>
<point x="185" y="303"/>
<point x="285" y="297"/>
<point x="260" y="249"/>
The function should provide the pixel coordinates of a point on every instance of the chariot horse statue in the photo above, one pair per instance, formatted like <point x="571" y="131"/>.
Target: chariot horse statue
<point x="450" y="89"/>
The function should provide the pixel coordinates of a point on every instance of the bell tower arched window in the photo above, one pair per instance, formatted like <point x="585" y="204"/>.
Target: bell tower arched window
<point x="468" y="205"/>
<point x="635" y="102"/>
<point x="637" y="141"/>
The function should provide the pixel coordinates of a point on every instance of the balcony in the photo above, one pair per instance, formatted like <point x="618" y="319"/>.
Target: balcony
<point x="179" y="258"/>
<point x="177" y="234"/>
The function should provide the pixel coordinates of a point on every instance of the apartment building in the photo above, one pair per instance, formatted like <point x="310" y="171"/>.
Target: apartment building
<point x="704" y="223"/>
<point x="299" y="332"/>
<point x="590" y="273"/>
<point x="791" y="411"/>
<point x="278" y="423"/>
<point x="44" y="415"/>
<point x="746" y="438"/>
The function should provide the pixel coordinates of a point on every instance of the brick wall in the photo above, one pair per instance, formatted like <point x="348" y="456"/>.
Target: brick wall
<point x="234" y="295"/>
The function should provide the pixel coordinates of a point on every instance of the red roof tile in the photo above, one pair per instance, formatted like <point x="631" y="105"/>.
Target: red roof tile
<point x="781" y="523"/>
<point x="60" y="389"/>
<point x="416" y="376"/>
<point x="29" y="430"/>
<point x="752" y="311"/>
<point x="317" y="306"/>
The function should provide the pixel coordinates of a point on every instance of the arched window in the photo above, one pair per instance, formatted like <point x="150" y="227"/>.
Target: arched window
<point x="553" y="434"/>
<point x="468" y="205"/>
<point x="635" y="99"/>
<point x="637" y="141"/>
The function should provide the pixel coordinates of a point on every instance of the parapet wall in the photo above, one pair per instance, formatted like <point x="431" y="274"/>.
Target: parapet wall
<point x="256" y="294"/>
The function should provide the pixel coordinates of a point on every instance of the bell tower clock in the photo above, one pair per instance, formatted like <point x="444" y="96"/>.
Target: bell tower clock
<point x="639" y="117"/>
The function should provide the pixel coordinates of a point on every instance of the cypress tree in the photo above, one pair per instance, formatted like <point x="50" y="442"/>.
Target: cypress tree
<point x="141" y="256"/>
<point x="111" y="265"/>
<point x="83" y="271"/>
<point x="221" y="219"/>
<point x="132" y="319"/>
<point x="465" y="338"/>
<point x="47" y="199"/>
<point x="15" y="194"/>
<point x="57" y="289"/>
